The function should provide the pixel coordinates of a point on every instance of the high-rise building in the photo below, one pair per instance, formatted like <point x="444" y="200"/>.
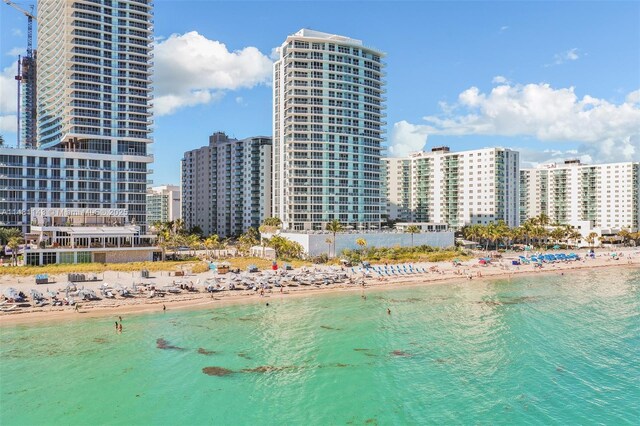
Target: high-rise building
<point x="163" y="204"/>
<point x="600" y="197"/>
<point x="457" y="188"/>
<point x="226" y="186"/>
<point x="328" y="106"/>
<point x="94" y="68"/>
<point x="534" y="193"/>
<point x="397" y="188"/>
<point x="94" y="111"/>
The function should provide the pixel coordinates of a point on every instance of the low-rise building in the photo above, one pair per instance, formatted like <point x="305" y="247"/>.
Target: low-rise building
<point x="84" y="235"/>
<point x="163" y="204"/>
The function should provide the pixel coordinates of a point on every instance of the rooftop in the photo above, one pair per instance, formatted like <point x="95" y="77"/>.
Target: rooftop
<point x="320" y="35"/>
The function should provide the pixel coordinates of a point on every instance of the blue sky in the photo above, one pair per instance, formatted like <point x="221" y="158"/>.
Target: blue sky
<point x="552" y="79"/>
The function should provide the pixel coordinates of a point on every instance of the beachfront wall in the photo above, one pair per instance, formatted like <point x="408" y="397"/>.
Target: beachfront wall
<point x="316" y="244"/>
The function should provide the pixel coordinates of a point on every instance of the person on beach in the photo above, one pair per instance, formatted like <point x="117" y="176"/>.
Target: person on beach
<point x="120" y="318"/>
<point x="388" y="311"/>
<point x="164" y="308"/>
<point x="77" y="307"/>
<point x="120" y="328"/>
<point x="116" y="326"/>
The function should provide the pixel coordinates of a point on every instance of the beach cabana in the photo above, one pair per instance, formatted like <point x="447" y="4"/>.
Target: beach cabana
<point x="263" y="252"/>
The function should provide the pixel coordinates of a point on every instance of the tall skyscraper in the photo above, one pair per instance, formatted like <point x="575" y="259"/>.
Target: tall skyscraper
<point x="226" y="186"/>
<point x="94" y="67"/>
<point x="602" y="197"/>
<point x="94" y="104"/>
<point x="328" y="108"/>
<point x="457" y="188"/>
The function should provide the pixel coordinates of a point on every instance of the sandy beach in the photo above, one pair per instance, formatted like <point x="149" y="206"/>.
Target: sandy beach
<point x="140" y="302"/>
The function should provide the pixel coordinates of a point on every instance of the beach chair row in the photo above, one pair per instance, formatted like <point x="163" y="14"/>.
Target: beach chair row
<point x="550" y="258"/>
<point x="397" y="270"/>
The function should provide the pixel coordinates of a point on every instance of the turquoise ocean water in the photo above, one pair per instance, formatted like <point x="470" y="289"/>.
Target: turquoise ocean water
<point x="545" y="349"/>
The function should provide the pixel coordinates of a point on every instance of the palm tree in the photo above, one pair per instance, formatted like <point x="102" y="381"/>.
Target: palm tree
<point x="14" y="245"/>
<point x="248" y="240"/>
<point x="412" y="229"/>
<point x="334" y="226"/>
<point x="490" y="233"/>
<point x="591" y="238"/>
<point x="501" y="233"/>
<point x="194" y="243"/>
<point x="475" y="232"/>
<point x="269" y="226"/>
<point x="272" y="221"/>
<point x="178" y="226"/>
<point x="211" y="243"/>
<point x="362" y="243"/>
<point x="558" y="234"/>
<point x="516" y="234"/>
<point x="7" y="233"/>
<point x="528" y="229"/>
<point x="543" y="219"/>
<point x="574" y="235"/>
<point x="162" y="231"/>
<point x="329" y="241"/>
<point x="624" y="234"/>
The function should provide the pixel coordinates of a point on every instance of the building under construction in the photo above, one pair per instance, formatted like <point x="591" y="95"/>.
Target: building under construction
<point x="27" y="92"/>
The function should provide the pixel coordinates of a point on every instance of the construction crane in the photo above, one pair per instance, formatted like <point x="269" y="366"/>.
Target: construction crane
<point x="26" y="79"/>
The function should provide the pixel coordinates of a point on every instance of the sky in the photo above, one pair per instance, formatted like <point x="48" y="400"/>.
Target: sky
<point x="554" y="80"/>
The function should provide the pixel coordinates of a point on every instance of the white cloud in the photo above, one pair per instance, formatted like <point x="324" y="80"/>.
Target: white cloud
<point x="498" y="79"/>
<point x="633" y="97"/>
<point x="504" y="28"/>
<point x="16" y="32"/>
<point x="240" y="101"/>
<point x="532" y="158"/>
<point x="407" y="138"/>
<point x="8" y="123"/>
<point x="16" y="51"/>
<point x="566" y="56"/>
<point x="191" y="69"/>
<point x="605" y="131"/>
<point x="274" y="55"/>
<point x="8" y="89"/>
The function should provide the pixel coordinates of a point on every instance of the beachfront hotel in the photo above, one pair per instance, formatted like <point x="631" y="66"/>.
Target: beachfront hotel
<point x="163" y="203"/>
<point x="226" y="185"/>
<point x="328" y="106"/>
<point x="93" y="114"/>
<point x="457" y="188"/>
<point x="603" y="198"/>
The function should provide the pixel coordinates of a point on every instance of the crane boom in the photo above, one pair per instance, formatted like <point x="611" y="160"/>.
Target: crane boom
<point x="15" y="6"/>
<point x="30" y="17"/>
<point x="26" y="77"/>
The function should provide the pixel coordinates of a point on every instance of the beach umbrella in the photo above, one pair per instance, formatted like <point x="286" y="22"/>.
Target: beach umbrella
<point x="11" y="293"/>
